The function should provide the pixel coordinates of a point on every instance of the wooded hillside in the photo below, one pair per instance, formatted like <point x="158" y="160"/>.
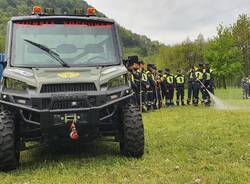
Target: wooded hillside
<point x="131" y="41"/>
<point x="228" y="52"/>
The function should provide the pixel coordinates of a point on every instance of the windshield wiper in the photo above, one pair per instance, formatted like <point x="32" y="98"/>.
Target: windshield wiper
<point x="51" y="53"/>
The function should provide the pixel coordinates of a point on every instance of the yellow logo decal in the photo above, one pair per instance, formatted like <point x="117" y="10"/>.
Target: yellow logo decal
<point x="68" y="74"/>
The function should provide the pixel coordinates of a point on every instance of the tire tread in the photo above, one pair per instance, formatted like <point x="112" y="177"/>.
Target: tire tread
<point x="8" y="157"/>
<point x="133" y="132"/>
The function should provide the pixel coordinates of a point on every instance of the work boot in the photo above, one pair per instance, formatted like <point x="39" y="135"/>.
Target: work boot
<point x="172" y="103"/>
<point x="195" y="102"/>
<point x="177" y="103"/>
<point x="160" y="105"/>
<point x="182" y="103"/>
<point x="150" y="107"/>
<point x="144" y="108"/>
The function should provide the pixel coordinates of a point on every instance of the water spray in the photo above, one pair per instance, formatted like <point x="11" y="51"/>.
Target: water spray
<point x="218" y="103"/>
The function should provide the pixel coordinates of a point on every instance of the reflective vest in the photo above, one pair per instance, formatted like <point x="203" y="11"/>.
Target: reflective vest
<point x="138" y="76"/>
<point x="199" y="75"/>
<point x="152" y="75"/>
<point x="191" y="75"/>
<point x="163" y="77"/>
<point x="132" y="77"/>
<point x="169" y="79"/>
<point x="144" y="76"/>
<point x="208" y="76"/>
<point x="180" y="79"/>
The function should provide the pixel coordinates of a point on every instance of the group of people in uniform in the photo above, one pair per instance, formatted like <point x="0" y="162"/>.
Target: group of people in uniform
<point x="154" y="89"/>
<point x="245" y="83"/>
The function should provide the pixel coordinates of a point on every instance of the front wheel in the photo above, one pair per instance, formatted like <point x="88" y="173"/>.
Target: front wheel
<point x="132" y="132"/>
<point x="9" y="142"/>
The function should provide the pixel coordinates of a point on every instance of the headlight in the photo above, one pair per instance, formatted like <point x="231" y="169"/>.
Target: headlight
<point x="13" y="84"/>
<point x="118" y="82"/>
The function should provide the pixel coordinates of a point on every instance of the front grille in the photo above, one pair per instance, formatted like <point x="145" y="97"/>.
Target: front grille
<point x="75" y="87"/>
<point x="46" y="103"/>
<point x="68" y="104"/>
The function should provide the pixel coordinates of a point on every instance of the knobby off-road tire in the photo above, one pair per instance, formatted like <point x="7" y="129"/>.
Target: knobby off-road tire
<point x="9" y="144"/>
<point x="132" y="132"/>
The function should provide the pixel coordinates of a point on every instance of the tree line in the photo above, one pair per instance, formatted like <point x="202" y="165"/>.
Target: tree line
<point x="10" y="8"/>
<point x="228" y="53"/>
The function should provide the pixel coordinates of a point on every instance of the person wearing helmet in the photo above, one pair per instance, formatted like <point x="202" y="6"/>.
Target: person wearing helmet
<point x="179" y="86"/>
<point x="169" y="87"/>
<point x="135" y="77"/>
<point x="208" y="81"/>
<point x="157" y="94"/>
<point x="190" y="84"/>
<point x="198" y="84"/>
<point x="245" y="87"/>
<point x="159" y="85"/>
<point x="151" y="90"/>
<point x="145" y="85"/>
<point x="163" y="87"/>
<point x="157" y="99"/>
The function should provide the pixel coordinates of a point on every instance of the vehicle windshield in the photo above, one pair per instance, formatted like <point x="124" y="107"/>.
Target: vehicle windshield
<point x="59" y="43"/>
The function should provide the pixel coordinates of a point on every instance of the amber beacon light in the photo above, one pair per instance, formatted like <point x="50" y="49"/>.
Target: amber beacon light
<point x="91" y="11"/>
<point x="37" y="10"/>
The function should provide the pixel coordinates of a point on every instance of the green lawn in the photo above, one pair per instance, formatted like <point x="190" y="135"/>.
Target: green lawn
<point x="183" y="145"/>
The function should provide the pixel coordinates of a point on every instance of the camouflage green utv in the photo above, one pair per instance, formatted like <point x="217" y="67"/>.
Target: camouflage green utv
<point x="65" y="80"/>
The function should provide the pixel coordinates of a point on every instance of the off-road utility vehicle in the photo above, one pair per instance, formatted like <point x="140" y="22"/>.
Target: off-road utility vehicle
<point x="65" y="80"/>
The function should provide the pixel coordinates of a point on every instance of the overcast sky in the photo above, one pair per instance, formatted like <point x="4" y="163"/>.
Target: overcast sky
<point x="172" y="21"/>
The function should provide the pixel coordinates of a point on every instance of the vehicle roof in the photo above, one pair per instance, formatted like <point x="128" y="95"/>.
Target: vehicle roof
<point x="35" y="17"/>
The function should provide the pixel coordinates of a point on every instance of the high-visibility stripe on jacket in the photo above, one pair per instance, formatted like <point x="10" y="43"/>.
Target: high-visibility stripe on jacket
<point x="144" y="76"/>
<point x="151" y="75"/>
<point x="180" y="79"/>
<point x="208" y="76"/>
<point x="199" y="75"/>
<point x="132" y="77"/>
<point x="163" y="77"/>
<point x="191" y="75"/>
<point x="170" y="79"/>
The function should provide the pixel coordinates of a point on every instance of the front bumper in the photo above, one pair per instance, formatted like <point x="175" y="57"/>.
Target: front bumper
<point x="89" y="113"/>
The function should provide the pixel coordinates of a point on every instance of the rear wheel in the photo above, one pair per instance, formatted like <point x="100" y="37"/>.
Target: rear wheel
<point x="132" y="132"/>
<point x="9" y="142"/>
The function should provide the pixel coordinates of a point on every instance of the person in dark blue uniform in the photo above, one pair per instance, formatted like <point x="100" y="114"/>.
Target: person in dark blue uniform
<point x="168" y="81"/>
<point x="208" y="81"/>
<point x="161" y="83"/>
<point x="190" y="84"/>
<point x="152" y="89"/>
<point x="180" y="87"/>
<point x="145" y="85"/>
<point x="132" y="65"/>
<point x="198" y="84"/>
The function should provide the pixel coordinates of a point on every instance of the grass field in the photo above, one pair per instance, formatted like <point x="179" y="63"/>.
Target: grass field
<point x="183" y="145"/>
